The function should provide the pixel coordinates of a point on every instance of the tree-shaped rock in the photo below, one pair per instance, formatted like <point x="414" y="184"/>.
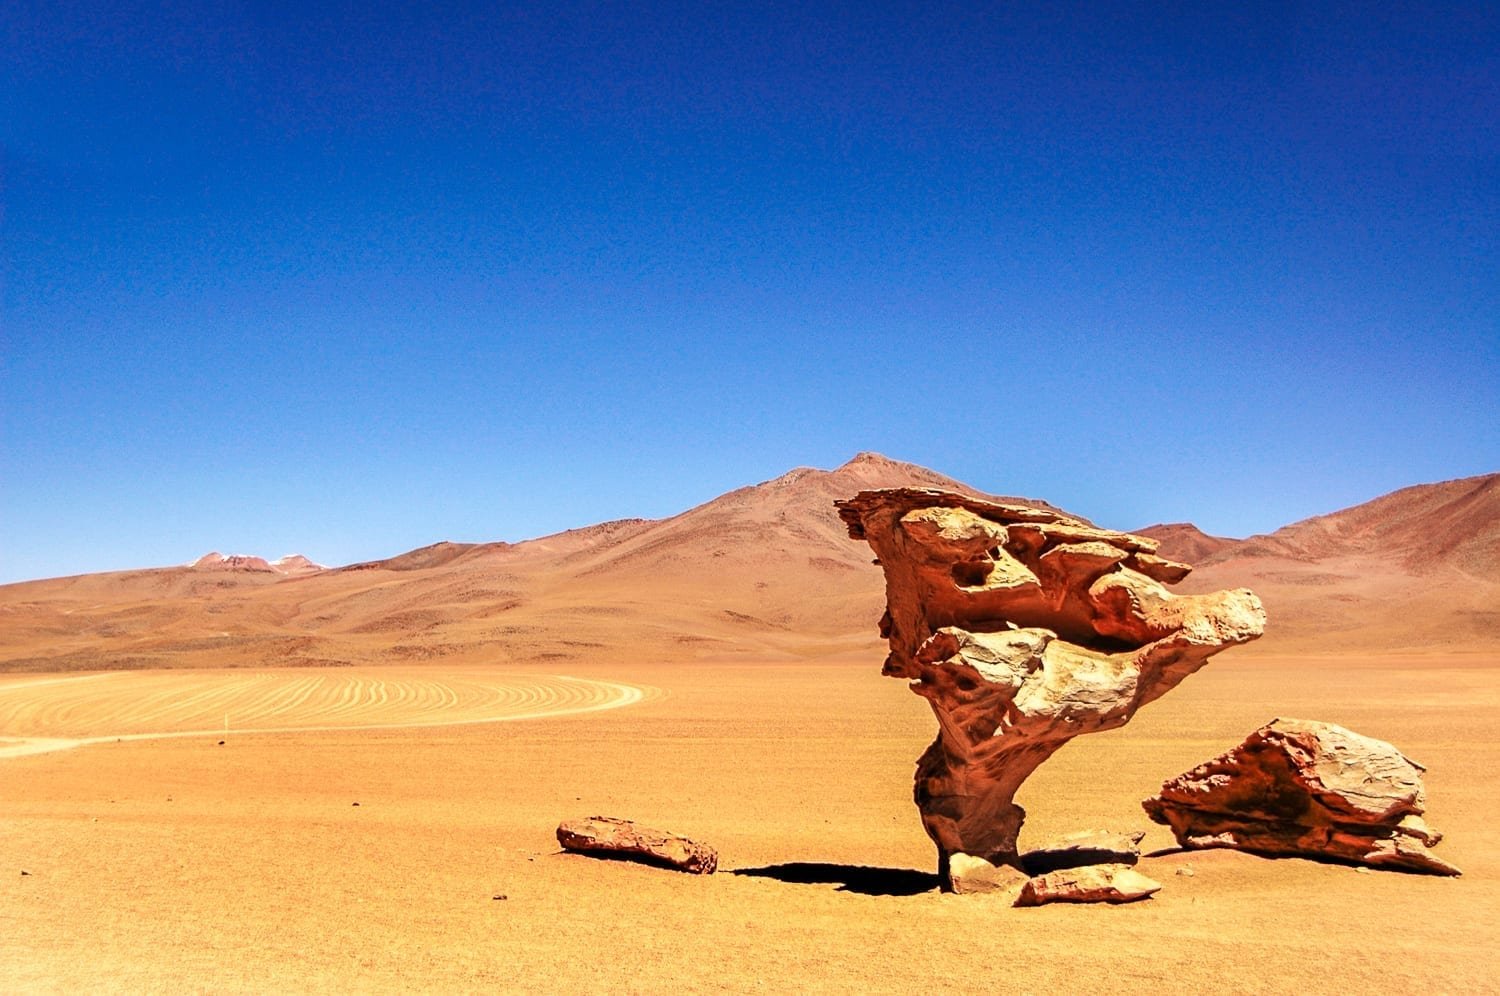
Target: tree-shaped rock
<point x="1024" y="628"/>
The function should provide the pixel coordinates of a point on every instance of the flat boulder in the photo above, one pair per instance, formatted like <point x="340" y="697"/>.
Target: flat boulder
<point x="1085" y="847"/>
<point x="616" y="838"/>
<point x="1298" y="787"/>
<point x="1111" y="883"/>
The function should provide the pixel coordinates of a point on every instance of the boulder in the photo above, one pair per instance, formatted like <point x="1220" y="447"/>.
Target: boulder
<point x="1114" y="883"/>
<point x="969" y="875"/>
<point x="1297" y="787"/>
<point x="612" y="837"/>
<point x="1023" y="628"/>
<point x="1085" y="847"/>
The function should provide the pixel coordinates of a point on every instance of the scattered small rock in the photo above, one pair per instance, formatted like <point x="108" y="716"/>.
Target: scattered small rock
<point x="354" y="804"/>
<point x="1186" y="871"/>
<point x="500" y="896"/>
<point x="221" y="743"/>
<point x="615" y="837"/>
<point x="25" y="872"/>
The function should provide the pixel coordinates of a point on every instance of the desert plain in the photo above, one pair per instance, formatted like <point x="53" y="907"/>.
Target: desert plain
<point x="228" y="778"/>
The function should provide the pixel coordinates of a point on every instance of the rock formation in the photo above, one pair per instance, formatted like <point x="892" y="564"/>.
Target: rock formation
<point x="1306" y="788"/>
<point x="1089" y="884"/>
<point x="1086" y="847"/>
<point x="614" y="837"/>
<point x="1024" y="628"/>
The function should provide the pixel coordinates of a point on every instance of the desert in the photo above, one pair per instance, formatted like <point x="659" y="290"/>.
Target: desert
<point x="238" y="779"/>
<point x="670" y="497"/>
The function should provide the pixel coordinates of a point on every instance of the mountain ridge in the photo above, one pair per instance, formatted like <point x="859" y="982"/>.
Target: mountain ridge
<point x="765" y="571"/>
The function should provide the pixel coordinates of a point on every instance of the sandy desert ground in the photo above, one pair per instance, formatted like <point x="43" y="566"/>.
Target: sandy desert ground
<point x="389" y="825"/>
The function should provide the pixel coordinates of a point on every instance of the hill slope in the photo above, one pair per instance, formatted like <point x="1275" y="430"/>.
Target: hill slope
<point x="1417" y="568"/>
<point x="764" y="572"/>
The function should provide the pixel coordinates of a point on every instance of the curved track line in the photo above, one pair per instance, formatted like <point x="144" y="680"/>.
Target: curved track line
<point x="517" y="697"/>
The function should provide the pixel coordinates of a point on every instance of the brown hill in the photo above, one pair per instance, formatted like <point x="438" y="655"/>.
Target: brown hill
<point x="1185" y="542"/>
<point x="762" y="572"/>
<point x="1417" y="568"/>
<point x="766" y="569"/>
<point x="1428" y="527"/>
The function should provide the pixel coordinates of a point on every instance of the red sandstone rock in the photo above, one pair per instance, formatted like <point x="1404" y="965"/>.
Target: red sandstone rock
<point x="1089" y="884"/>
<point x="1024" y="628"/>
<point x="1296" y="787"/>
<point x="622" y="838"/>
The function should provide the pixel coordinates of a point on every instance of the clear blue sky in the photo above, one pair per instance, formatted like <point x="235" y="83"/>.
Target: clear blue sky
<point x="348" y="281"/>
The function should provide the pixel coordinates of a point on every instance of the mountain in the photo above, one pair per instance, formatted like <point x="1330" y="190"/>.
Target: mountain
<point x="1417" y="568"/>
<point x="765" y="572"/>
<point x="1185" y="542"/>
<point x="1429" y="527"/>
<point x="292" y="563"/>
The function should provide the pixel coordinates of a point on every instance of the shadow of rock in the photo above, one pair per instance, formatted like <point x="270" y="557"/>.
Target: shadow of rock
<point x="849" y="878"/>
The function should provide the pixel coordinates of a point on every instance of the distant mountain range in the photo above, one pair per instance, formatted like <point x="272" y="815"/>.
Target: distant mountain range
<point x="1417" y="568"/>
<point x="763" y="572"/>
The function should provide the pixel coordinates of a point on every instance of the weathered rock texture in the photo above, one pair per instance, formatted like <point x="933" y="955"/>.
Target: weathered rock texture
<point x="1089" y="884"/>
<point x="1024" y="628"/>
<point x="625" y="839"/>
<point x="1306" y="788"/>
<point x="1086" y="847"/>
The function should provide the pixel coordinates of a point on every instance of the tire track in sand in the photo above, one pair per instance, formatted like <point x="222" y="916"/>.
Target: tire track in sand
<point x="37" y="716"/>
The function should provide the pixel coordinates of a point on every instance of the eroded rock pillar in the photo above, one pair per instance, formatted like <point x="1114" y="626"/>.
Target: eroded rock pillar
<point x="1024" y="628"/>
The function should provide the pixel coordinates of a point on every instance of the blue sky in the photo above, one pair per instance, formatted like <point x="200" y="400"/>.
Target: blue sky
<point x="352" y="280"/>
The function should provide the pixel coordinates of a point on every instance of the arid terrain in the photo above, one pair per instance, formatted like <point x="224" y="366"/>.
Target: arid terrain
<point x="247" y="776"/>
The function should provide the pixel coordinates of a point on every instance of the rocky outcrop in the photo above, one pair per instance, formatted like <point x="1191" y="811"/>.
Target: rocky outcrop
<point x="1024" y="628"/>
<point x="1306" y="788"/>
<point x="1090" y="884"/>
<point x="614" y="837"/>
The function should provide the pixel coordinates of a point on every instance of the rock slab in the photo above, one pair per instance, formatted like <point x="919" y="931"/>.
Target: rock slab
<point x="1023" y="628"/>
<point x="612" y="837"/>
<point x="1298" y="787"/>
<point x="1112" y="883"/>
<point x="1086" y="847"/>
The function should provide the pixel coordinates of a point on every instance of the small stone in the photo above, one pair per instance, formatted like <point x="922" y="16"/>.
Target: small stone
<point x="1186" y="871"/>
<point x="25" y="872"/>
<point x="500" y="896"/>
<point x="354" y="804"/>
